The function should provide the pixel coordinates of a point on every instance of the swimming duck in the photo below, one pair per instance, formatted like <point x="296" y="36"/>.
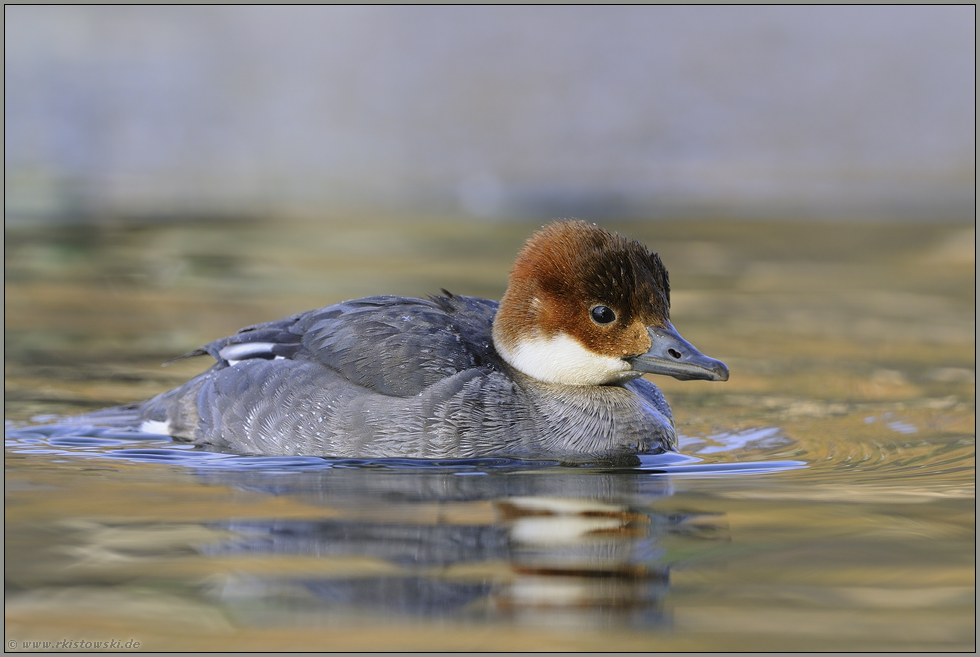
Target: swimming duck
<point x="551" y="372"/>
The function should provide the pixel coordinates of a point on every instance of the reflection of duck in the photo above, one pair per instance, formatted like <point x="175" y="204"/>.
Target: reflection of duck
<point x="581" y="553"/>
<point x="528" y="555"/>
<point x="552" y="372"/>
<point x="462" y="569"/>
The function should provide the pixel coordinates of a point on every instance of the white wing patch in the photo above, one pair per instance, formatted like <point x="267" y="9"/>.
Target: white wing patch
<point x="155" y="426"/>
<point x="563" y="359"/>
<point x="235" y="353"/>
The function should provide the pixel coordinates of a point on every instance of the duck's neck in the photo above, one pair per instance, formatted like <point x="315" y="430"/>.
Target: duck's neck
<point x="597" y="419"/>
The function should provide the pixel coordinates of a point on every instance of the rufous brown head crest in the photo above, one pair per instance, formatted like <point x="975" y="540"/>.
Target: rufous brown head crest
<point x="577" y="279"/>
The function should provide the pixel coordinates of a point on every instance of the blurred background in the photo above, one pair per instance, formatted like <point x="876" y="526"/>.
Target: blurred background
<point x="807" y="175"/>
<point x="489" y="112"/>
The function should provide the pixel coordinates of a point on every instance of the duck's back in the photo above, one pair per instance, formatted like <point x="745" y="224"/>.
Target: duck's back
<point x="393" y="346"/>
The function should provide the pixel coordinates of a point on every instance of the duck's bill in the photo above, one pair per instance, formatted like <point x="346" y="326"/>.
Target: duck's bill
<point x="674" y="356"/>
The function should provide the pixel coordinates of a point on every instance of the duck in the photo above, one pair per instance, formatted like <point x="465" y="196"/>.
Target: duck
<point x="551" y="372"/>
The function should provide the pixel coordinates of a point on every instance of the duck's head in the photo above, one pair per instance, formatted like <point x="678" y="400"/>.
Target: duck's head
<point x="587" y="307"/>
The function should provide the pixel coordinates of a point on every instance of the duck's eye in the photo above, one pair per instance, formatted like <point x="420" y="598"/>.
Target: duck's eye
<point x="603" y="315"/>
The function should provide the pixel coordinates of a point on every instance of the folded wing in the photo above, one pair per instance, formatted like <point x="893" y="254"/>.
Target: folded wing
<point x="394" y="346"/>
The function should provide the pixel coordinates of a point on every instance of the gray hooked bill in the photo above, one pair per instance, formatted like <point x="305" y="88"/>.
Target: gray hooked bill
<point x="674" y="356"/>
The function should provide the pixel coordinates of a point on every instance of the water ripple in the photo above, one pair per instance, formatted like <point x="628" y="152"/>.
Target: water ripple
<point x="138" y="447"/>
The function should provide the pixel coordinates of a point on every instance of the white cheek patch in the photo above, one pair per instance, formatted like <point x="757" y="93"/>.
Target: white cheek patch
<point x="563" y="359"/>
<point x="155" y="426"/>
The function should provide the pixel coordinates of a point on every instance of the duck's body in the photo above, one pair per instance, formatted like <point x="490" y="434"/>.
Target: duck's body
<point x="552" y="372"/>
<point x="399" y="377"/>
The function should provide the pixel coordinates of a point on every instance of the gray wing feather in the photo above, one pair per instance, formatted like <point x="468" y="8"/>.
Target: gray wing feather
<point x="394" y="346"/>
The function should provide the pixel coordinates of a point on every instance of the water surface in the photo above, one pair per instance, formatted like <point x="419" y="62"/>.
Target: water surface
<point x="824" y="497"/>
